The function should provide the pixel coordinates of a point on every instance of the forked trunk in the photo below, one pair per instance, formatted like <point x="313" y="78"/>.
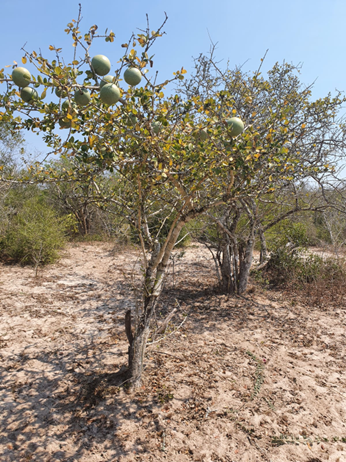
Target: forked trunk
<point x="153" y="285"/>
<point x="235" y="265"/>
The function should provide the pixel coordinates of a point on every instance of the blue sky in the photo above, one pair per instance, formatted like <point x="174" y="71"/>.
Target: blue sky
<point x="297" y="31"/>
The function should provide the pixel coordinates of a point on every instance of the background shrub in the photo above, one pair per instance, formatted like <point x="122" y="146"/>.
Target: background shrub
<point x="35" y="234"/>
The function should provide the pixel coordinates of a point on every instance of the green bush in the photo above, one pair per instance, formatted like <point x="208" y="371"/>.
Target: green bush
<point x="287" y="232"/>
<point x="299" y="268"/>
<point x="34" y="235"/>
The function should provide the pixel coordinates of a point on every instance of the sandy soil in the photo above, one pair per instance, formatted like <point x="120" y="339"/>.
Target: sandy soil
<point x="254" y="378"/>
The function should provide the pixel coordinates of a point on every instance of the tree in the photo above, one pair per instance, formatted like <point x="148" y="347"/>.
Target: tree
<point x="154" y="142"/>
<point x="177" y="155"/>
<point x="290" y="141"/>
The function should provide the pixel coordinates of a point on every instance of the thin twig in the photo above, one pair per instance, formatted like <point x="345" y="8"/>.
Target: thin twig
<point x="168" y="335"/>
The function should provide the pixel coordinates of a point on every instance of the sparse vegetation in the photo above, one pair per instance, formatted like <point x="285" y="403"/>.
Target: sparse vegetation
<point x="34" y="235"/>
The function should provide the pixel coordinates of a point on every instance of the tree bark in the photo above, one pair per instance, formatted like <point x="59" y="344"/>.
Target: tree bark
<point x="153" y="285"/>
<point x="264" y="251"/>
<point x="245" y="265"/>
<point x="138" y="344"/>
<point x="227" y="285"/>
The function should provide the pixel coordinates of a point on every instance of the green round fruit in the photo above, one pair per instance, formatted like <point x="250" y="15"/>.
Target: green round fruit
<point x="65" y="123"/>
<point x="156" y="126"/>
<point x="82" y="97"/>
<point x="101" y="64"/>
<point x="110" y="94"/>
<point x="201" y="135"/>
<point x="67" y="106"/>
<point x="28" y="94"/>
<point x="60" y="93"/>
<point x="107" y="79"/>
<point x="131" y="120"/>
<point x="132" y="76"/>
<point x="21" y="76"/>
<point x="235" y="126"/>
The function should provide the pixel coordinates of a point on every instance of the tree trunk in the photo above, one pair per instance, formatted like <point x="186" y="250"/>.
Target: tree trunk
<point x="245" y="265"/>
<point x="152" y="289"/>
<point x="235" y="265"/>
<point x="138" y="342"/>
<point x="264" y="251"/>
<point x="226" y="268"/>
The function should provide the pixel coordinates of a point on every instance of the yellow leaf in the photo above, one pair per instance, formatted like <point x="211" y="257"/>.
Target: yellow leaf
<point x="183" y="71"/>
<point x="304" y="125"/>
<point x="43" y="95"/>
<point x="24" y="60"/>
<point x="51" y="47"/>
<point x="234" y="111"/>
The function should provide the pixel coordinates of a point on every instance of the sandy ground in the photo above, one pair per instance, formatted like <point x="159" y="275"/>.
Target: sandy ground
<point x="254" y="378"/>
